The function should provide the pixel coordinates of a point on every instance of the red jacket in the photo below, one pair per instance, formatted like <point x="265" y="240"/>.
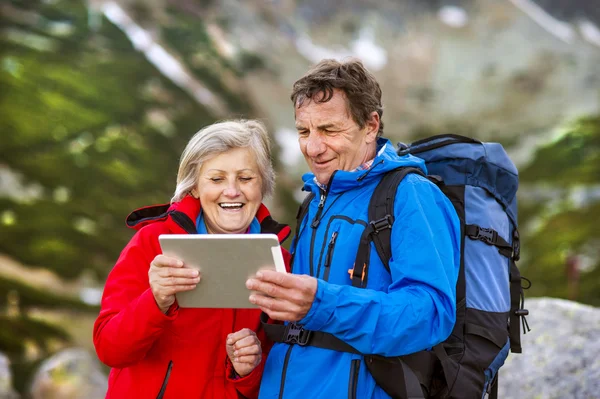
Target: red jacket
<point x="180" y="354"/>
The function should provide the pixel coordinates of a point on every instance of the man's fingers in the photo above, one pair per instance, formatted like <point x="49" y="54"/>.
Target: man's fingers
<point x="280" y="279"/>
<point x="281" y="316"/>
<point x="274" y="304"/>
<point x="266" y="288"/>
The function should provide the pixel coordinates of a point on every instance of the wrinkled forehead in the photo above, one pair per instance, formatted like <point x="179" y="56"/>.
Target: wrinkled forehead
<point x="332" y="106"/>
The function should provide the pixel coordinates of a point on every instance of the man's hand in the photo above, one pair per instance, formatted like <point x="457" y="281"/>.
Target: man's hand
<point x="169" y="276"/>
<point x="282" y="296"/>
<point x="244" y="351"/>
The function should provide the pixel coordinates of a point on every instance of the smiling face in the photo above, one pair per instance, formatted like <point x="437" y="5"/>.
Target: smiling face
<point x="331" y="140"/>
<point x="230" y="190"/>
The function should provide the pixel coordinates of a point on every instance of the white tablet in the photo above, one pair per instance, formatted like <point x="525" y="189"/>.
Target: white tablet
<point x="225" y="261"/>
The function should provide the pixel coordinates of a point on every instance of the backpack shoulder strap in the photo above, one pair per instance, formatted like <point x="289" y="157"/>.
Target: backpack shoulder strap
<point x="302" y="211"/>
<point x="381" y="219"/>
<point x="381" y="211"/>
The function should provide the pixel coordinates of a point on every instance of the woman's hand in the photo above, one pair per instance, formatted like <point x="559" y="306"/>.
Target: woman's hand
<point x="169" y="276"/>
<point x="244" y="351"/>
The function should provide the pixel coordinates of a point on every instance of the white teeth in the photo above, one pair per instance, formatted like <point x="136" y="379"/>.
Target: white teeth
<point x="231" y="205"/>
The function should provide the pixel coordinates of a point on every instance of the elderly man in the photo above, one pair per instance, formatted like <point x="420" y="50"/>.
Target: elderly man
<point x="375" y="311"/>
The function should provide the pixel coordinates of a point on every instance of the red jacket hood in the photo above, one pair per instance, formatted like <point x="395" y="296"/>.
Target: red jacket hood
<point x="181" y="217"/>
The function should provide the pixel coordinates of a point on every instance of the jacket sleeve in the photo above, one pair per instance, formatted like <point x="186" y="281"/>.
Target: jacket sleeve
<point x="130" y="320"/>
<point x="249" y="385"/>
<point x="418" y="311"/>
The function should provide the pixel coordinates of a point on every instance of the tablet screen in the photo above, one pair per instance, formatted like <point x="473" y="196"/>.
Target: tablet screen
<point x="226" y="261"/>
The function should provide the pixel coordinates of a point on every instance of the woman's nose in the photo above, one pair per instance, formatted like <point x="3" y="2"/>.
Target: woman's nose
<point x="232" y="190"/>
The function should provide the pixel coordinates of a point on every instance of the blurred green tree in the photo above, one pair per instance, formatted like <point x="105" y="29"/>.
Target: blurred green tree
<point x="559" y="213"/>
<point x="90" y="131"/>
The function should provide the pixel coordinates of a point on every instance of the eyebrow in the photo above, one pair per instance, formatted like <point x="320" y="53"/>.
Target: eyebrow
<point x="320" y="127"/>
<point x="223" y="171"/>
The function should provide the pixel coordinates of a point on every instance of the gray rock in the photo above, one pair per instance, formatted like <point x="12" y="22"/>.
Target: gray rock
<point x="6" y="388"/>
<point x="69" y="374"/>
<point x="561" y="353"/>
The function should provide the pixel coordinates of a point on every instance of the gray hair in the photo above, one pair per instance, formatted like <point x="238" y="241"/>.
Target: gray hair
<point x="218" y="138"/>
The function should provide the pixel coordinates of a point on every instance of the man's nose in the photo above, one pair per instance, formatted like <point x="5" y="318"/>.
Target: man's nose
<point x="315" y="145"/>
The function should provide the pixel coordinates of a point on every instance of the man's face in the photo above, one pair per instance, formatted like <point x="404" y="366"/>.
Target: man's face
<point x="330" y="139"/>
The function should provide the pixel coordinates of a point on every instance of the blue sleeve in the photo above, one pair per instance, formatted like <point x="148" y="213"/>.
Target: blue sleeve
<point x="419" y="309"/>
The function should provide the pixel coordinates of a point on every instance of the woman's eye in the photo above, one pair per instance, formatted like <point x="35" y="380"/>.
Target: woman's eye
<point x="216" y="179"/>
<point x="246" y="178"/>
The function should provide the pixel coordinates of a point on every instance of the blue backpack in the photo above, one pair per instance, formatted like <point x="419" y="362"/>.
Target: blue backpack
<point x="481" y="182"/>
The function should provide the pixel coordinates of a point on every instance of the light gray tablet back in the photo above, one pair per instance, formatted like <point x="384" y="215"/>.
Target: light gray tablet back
<point x="225" y="261"/>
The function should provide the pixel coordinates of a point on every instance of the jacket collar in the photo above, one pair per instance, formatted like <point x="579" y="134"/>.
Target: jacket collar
<point x="180" y="218"/>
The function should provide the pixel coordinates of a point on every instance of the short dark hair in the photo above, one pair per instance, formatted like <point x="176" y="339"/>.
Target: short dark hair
<point x="362" y="91"/>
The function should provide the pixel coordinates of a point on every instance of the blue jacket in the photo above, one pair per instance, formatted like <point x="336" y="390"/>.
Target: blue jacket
<point x="408" y="310"/>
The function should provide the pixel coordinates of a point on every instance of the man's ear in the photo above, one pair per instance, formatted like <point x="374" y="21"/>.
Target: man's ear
<point x="372" y="125"/>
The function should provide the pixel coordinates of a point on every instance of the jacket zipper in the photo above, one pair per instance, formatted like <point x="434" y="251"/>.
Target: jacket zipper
<point x="353" y="381"/>
<point x="317" y="220"/>
<point x="163" y="388"/>
<point x="311" y="252"/>
<point x="329" y="256"/>
<point x="284" y="370"/>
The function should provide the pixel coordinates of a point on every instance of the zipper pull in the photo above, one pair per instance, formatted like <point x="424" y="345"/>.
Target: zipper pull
<point x="330" y="249"/>
<point x="317" y="219"/>
<point x="322" y="201"/>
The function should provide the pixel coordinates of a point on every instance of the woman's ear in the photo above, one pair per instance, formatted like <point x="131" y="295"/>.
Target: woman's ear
<point x="194" y="193"/>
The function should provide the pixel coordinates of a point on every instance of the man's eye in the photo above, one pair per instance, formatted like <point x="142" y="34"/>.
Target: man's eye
<point x="303" y="132"/>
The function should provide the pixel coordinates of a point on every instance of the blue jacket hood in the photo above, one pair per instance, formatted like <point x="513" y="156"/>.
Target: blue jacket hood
<point x="385" y="160"/>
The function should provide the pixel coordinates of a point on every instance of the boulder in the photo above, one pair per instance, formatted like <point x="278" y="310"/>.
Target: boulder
<point x="6" y="388"/>
<point x="72" y="373"/>
<point x="561" y="353"/>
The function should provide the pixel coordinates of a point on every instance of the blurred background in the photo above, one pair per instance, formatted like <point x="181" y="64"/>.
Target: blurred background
<point x="98" y="99"/>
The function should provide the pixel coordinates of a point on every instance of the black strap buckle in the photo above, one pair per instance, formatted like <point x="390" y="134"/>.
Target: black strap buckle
<point x="488" y="236"/>
<point x="381" y="224"/>
<point x="296" y="334"/>
<point x="516" y="246"/>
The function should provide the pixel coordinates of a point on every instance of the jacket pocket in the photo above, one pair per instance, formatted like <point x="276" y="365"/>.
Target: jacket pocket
<point x="329" y="255"/>
<point x="163" y="387"/>
<point x="353" y="380"/>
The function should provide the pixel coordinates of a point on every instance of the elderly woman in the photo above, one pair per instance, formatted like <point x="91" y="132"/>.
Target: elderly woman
<point x="155" y="348"/>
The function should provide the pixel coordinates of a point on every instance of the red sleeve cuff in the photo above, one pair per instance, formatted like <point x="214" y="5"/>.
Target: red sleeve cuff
<point x="155" y="312"/>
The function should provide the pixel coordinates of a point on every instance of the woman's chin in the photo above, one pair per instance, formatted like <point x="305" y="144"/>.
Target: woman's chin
<point x="230" y="228"/>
